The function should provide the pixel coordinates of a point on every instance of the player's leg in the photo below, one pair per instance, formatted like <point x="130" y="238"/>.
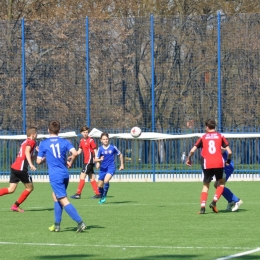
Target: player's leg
<point x="204" y="193"/>
<point x="57" y="214"/>
<point x="26" y="179"/>
<point x="108" y="177"/>
<point x="218" y="172"/>
<point x="233" y="201"/>
<point x="94" y="184"/>
<point x="11" y="189"/>
<point x="59" y="189"/>
<point x="13" y="182"/>
<point x="81" y="184"/>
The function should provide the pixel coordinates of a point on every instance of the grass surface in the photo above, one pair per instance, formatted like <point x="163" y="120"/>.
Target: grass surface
<point x="139" y="221"/>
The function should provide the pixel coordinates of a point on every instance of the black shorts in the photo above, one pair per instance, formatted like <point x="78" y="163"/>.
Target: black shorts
<point x="88" y="169"/>
<point x="22" y="176"/>
<point x="210" y="173"/>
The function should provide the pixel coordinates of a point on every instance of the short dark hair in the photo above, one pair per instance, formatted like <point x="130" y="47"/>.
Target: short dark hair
<point x="84" y="128"/>
<point x="31" y="130"/>
<point x="210" y="123"/>
<point x="104" y="134"/>
<point x="54" y="127"/>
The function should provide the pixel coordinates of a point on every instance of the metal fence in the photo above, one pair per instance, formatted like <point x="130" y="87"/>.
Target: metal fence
<point x="151" y="160"/>
<point x="162" y="74"/>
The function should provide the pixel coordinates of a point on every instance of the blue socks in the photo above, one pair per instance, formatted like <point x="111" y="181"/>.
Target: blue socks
<point x="229" y="196"/>
<point x="72" y="212"/>
<point x="57" y="212"/>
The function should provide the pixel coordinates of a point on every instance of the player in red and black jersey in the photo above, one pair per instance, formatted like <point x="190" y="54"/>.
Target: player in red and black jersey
<point x="19" y="169"/>
<point x="89" y="148"/>
<point x="212" y="162"/>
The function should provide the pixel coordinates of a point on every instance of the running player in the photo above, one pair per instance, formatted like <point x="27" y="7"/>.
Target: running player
<point x="54" y="150"/>
<point x="89" y="148"/>
<point x="212" y="162"/>
<point x="19" y="169"/>
<point x="106" y="155"/>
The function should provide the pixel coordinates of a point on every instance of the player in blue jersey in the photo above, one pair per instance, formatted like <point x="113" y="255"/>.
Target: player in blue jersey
<point x="106" y="156"/>
<point x="233" y="201"/>
<point x="54" y="150"/>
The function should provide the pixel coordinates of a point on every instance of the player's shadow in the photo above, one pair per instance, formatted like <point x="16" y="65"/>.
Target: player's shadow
<point x="74" y="256"/>
<point x="74" y="228"/>
<point x="40" y="209"/>
<point x="121" y="202"/>
<point x="233" y="212"/>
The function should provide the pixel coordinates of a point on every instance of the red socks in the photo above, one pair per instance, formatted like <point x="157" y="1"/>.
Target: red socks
<point x="93" y="184"/>
<point x="203" y="198"/>
<point x="218" y="193"/>
<point x="3" y="191"/>
<point x="80" y="186"/>
<point x="23" y="196"/>
<point x="95" y="187"/>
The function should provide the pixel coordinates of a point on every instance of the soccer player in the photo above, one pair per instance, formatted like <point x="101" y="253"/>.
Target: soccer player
<point x="106" y="156"/>
<point x="89" y="148"/>
<point x="54" y="150"/>
<point x="19" y="169"/>
<point x="233" y="201"/>
<point x="212" y="162"/>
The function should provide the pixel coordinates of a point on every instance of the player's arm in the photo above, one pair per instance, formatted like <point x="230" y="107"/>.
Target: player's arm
<point x="73" y="156"/>
<point x="29" y="157"/>
<point x="192" y="151"/>
<point x="229" y="155"/>
<point x="121" y="162"/>
<point x="95" y="156"/>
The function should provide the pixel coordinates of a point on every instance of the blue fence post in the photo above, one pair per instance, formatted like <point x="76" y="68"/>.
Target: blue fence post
<point x="219" y="76"/>
<point x="152" y="88"/>
<point x="23" y="79"/>
<point x="87" y="75"/>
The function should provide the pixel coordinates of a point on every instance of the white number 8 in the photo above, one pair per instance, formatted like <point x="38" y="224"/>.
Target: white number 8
<point x="212" y="147"/>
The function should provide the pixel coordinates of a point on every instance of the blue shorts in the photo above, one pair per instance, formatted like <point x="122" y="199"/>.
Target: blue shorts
<point x="229" y="170"/>
<point x="104" y="171"/>
<point x="59" y="187"/>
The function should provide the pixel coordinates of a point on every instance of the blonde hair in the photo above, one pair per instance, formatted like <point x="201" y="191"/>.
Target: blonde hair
<point x="31" y="130"/>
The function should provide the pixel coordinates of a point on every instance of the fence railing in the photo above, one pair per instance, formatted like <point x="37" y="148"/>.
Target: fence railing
<point x="142" y="163"/>
<point x="155" y="72"/>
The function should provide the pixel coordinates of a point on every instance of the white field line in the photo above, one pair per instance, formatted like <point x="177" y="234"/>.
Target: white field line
<point x="240" y="254"/>
<point x="124" y="246"/>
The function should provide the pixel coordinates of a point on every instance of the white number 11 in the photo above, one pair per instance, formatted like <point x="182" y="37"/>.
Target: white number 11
<point x="54" y="151"/>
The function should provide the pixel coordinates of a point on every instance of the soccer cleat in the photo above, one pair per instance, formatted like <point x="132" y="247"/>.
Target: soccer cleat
<point x="230" y="205"/>
<point x="102" y="200"/>
<point x="237" y="205"/>
<point x="76" y="196"/>
<point x="81" y="227"/>
<point x="202" y="210"/>
<point x="97" y="196"/>
<point x="17" y="209"/>
<point x="55" y="228"/>
<point x="213" y="206"/>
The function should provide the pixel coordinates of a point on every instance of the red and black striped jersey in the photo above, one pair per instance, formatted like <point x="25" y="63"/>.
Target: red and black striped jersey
<point x="21" y="163"/>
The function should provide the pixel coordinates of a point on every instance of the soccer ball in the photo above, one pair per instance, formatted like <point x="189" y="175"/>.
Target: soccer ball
<point x="136" y="131"/>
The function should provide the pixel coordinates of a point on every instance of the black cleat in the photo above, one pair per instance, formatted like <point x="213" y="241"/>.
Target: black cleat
<point x="76" y="196"/>
<point x="202" y="210"/>
<point x="81" y="227"/>
<point x="213" y="206"/>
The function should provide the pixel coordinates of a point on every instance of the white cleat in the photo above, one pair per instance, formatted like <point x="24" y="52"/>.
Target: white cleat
<point x="230" y="205"/>
<point x="237" y="205"/>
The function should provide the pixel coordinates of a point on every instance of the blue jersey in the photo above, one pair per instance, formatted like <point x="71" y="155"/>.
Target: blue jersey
<point x="228" y="168"/>
<point x="109" y="156"/>
<point x="55" y="149"/>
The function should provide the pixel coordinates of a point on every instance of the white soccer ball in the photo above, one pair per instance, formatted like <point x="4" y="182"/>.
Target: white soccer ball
<point x="136" y="131"/>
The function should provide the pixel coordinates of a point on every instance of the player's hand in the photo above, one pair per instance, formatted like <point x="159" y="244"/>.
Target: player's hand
<point x="69" y="158"/>
<point x="32" y="167"/>
<point x="121" y="167"/>
<point x="37" y="149"/>
<point x="69" y="164"/>
<point x="97" y="165"/>
<point x="188" y="162"/>
<point x="228" y="161"/>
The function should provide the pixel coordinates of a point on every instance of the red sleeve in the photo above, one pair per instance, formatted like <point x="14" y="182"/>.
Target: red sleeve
<point x="224" y="142"/>
<point x="93" y="144"/>
<point x="198" y="144"/>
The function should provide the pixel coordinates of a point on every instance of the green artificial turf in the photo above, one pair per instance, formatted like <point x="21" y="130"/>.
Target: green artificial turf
<point x="139" y="221"/>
